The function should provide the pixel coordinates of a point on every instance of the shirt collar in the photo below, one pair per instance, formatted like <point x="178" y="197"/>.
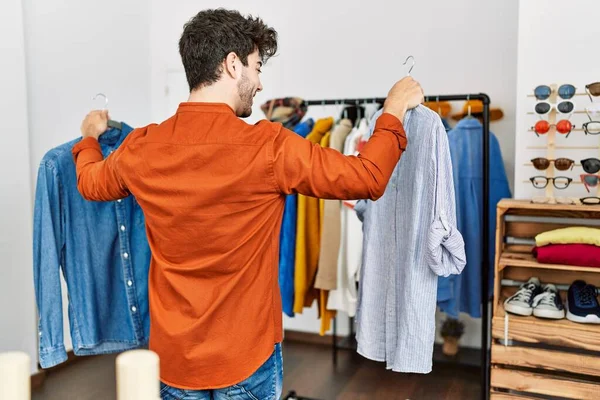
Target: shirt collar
<point x="113" y="136"/>
<point x="205" y="107"/>
<point x="468" y="123"/>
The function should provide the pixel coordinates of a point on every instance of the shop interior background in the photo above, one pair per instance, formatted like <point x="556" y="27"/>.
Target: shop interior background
<point x="58" y="54"/>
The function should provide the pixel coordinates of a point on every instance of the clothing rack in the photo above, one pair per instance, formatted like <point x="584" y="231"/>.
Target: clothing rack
<point x="485" y="268"/>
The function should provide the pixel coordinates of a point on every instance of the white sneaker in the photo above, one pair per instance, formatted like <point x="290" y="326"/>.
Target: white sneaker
<point x="548" y="304"/>
<point x="521" y="303"/>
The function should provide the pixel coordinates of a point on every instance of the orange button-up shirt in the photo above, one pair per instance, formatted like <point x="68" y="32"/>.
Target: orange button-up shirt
<point x="212" y="190"/>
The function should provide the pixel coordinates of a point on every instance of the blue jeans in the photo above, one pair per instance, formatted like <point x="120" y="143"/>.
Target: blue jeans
<point x="265" y="384"/>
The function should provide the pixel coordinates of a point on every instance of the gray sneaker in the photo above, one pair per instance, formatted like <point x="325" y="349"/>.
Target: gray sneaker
<point x="521" y="303"/>
<point x="548" y="304"/>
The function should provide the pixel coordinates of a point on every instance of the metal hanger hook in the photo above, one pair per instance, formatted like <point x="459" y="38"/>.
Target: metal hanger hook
<point x="412" y="66"/>
<point x="468" y="105"/>
<point x="105" y="99"/>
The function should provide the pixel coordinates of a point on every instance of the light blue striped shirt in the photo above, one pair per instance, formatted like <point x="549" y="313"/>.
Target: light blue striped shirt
<point x="410" y="238"/>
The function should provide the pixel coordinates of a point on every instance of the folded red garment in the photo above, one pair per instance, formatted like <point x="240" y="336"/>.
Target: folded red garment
<point x="585" y="255"/>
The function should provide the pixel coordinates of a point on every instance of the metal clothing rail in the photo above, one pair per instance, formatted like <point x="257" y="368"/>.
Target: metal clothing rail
<point x="485" y="267"/>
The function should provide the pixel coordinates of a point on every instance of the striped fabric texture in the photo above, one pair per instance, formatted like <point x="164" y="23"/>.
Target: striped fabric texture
<point x="410" y="238"/>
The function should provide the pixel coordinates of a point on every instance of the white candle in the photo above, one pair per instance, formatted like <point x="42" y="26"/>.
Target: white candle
<point x="15" y="378"/>
<point x="138" y="375"/>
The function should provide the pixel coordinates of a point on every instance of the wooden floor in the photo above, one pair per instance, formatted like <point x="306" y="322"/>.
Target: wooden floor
<point x="309" y="371"/>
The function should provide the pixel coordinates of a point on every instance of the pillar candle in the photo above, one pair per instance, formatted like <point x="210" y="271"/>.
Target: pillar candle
<point x="138" y="375"/>
<point x="15" y="377"/>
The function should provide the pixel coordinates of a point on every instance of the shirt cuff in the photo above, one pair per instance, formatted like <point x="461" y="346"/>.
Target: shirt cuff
<point x="49" y="357"/>
<point x="446" y="248"/>
<point x="391" y="123"/>
<point x="87" y="143"/>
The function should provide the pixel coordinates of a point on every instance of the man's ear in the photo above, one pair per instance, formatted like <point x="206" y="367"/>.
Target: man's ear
<point x="232" y="63"/>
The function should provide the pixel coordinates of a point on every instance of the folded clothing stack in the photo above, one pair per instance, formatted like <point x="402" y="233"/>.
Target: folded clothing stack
<point x="570" y="246"/>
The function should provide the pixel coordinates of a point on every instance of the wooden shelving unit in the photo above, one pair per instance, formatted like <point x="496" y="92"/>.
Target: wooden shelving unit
<point x="533" y="357"/>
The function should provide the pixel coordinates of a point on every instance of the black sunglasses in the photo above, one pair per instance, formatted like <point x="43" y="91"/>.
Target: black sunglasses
<point x="591" y="165"/>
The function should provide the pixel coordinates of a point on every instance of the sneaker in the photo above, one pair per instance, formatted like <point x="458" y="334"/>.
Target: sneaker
<point x="582" y="304"/>
<point x="548" y="304"/>
<point x="521" y="302"/>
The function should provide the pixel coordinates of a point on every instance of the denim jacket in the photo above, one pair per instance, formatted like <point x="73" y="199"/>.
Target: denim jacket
<point x="102" y="251"/>
<point x="462" y="293"/>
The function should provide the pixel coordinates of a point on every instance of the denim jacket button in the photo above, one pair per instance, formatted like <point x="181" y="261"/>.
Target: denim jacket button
<point x="118" y="201"/>
<point x="123" y="228"/>
<point x="125" y="255"/>
<point x="129" y="283"/>
<point x="134" y="308"/>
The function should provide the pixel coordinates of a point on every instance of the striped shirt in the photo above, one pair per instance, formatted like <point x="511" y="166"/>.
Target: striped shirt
<point x="410" y="238"/>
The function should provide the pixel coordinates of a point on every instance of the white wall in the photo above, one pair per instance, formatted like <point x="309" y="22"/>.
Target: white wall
<point x="548" y="28"/>
<point x="17" y="308"/>
<point x="334" y="49"/>
<point x="74" y="50"/>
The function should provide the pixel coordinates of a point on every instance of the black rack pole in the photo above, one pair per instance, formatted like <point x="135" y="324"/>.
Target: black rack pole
<point x="485" y="271"/>
<point x="485" y="267"/>
<point x="334" y="339"/>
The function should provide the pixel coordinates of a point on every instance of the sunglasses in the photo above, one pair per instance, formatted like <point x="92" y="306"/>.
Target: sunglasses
<point x="565" y="92"/>
<point x="563" y="126"/>
<point x="561" y="164"/>
<point x="559" y="182"/>
<point x="591" y="165"/>
<point x="590" y="201"/>
<point x="589" y="181"/>
<point x="593" y="89"/>
<point x="564" y="107"/>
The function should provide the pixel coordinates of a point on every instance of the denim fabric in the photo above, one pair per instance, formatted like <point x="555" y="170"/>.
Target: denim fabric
<point x="287" y="238"/>
<point x="462" y="293"/>
<point x="446" y="124"/>
<point x="265" y="384"/>
<point x="102" y="250"/>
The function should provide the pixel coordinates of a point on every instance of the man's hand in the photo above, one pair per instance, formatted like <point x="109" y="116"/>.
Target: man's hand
<point x="404" y="95"/>
<point x="94" y="124"/>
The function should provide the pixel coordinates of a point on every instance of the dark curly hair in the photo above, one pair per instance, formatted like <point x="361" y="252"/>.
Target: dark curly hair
<point x="211" y="35"/>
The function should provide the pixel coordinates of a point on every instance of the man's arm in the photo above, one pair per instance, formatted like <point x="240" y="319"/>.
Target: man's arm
<point x="97" y="178"/>
<point x="309" y="169"/>
<point x="305" y="168"/>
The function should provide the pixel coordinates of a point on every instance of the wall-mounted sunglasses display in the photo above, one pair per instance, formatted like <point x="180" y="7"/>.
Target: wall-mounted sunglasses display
<point x="564" y="126"/>
<point x="564" y="107"/>
<point x="559" y="182"/>
<point x="591" y="165"/>
<point x="593" y="89"/>
<point x="561" y="164"/>
<point x="589" y="181"/>
<point x="565" y="92"/>
<point x="590" y="201"/>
